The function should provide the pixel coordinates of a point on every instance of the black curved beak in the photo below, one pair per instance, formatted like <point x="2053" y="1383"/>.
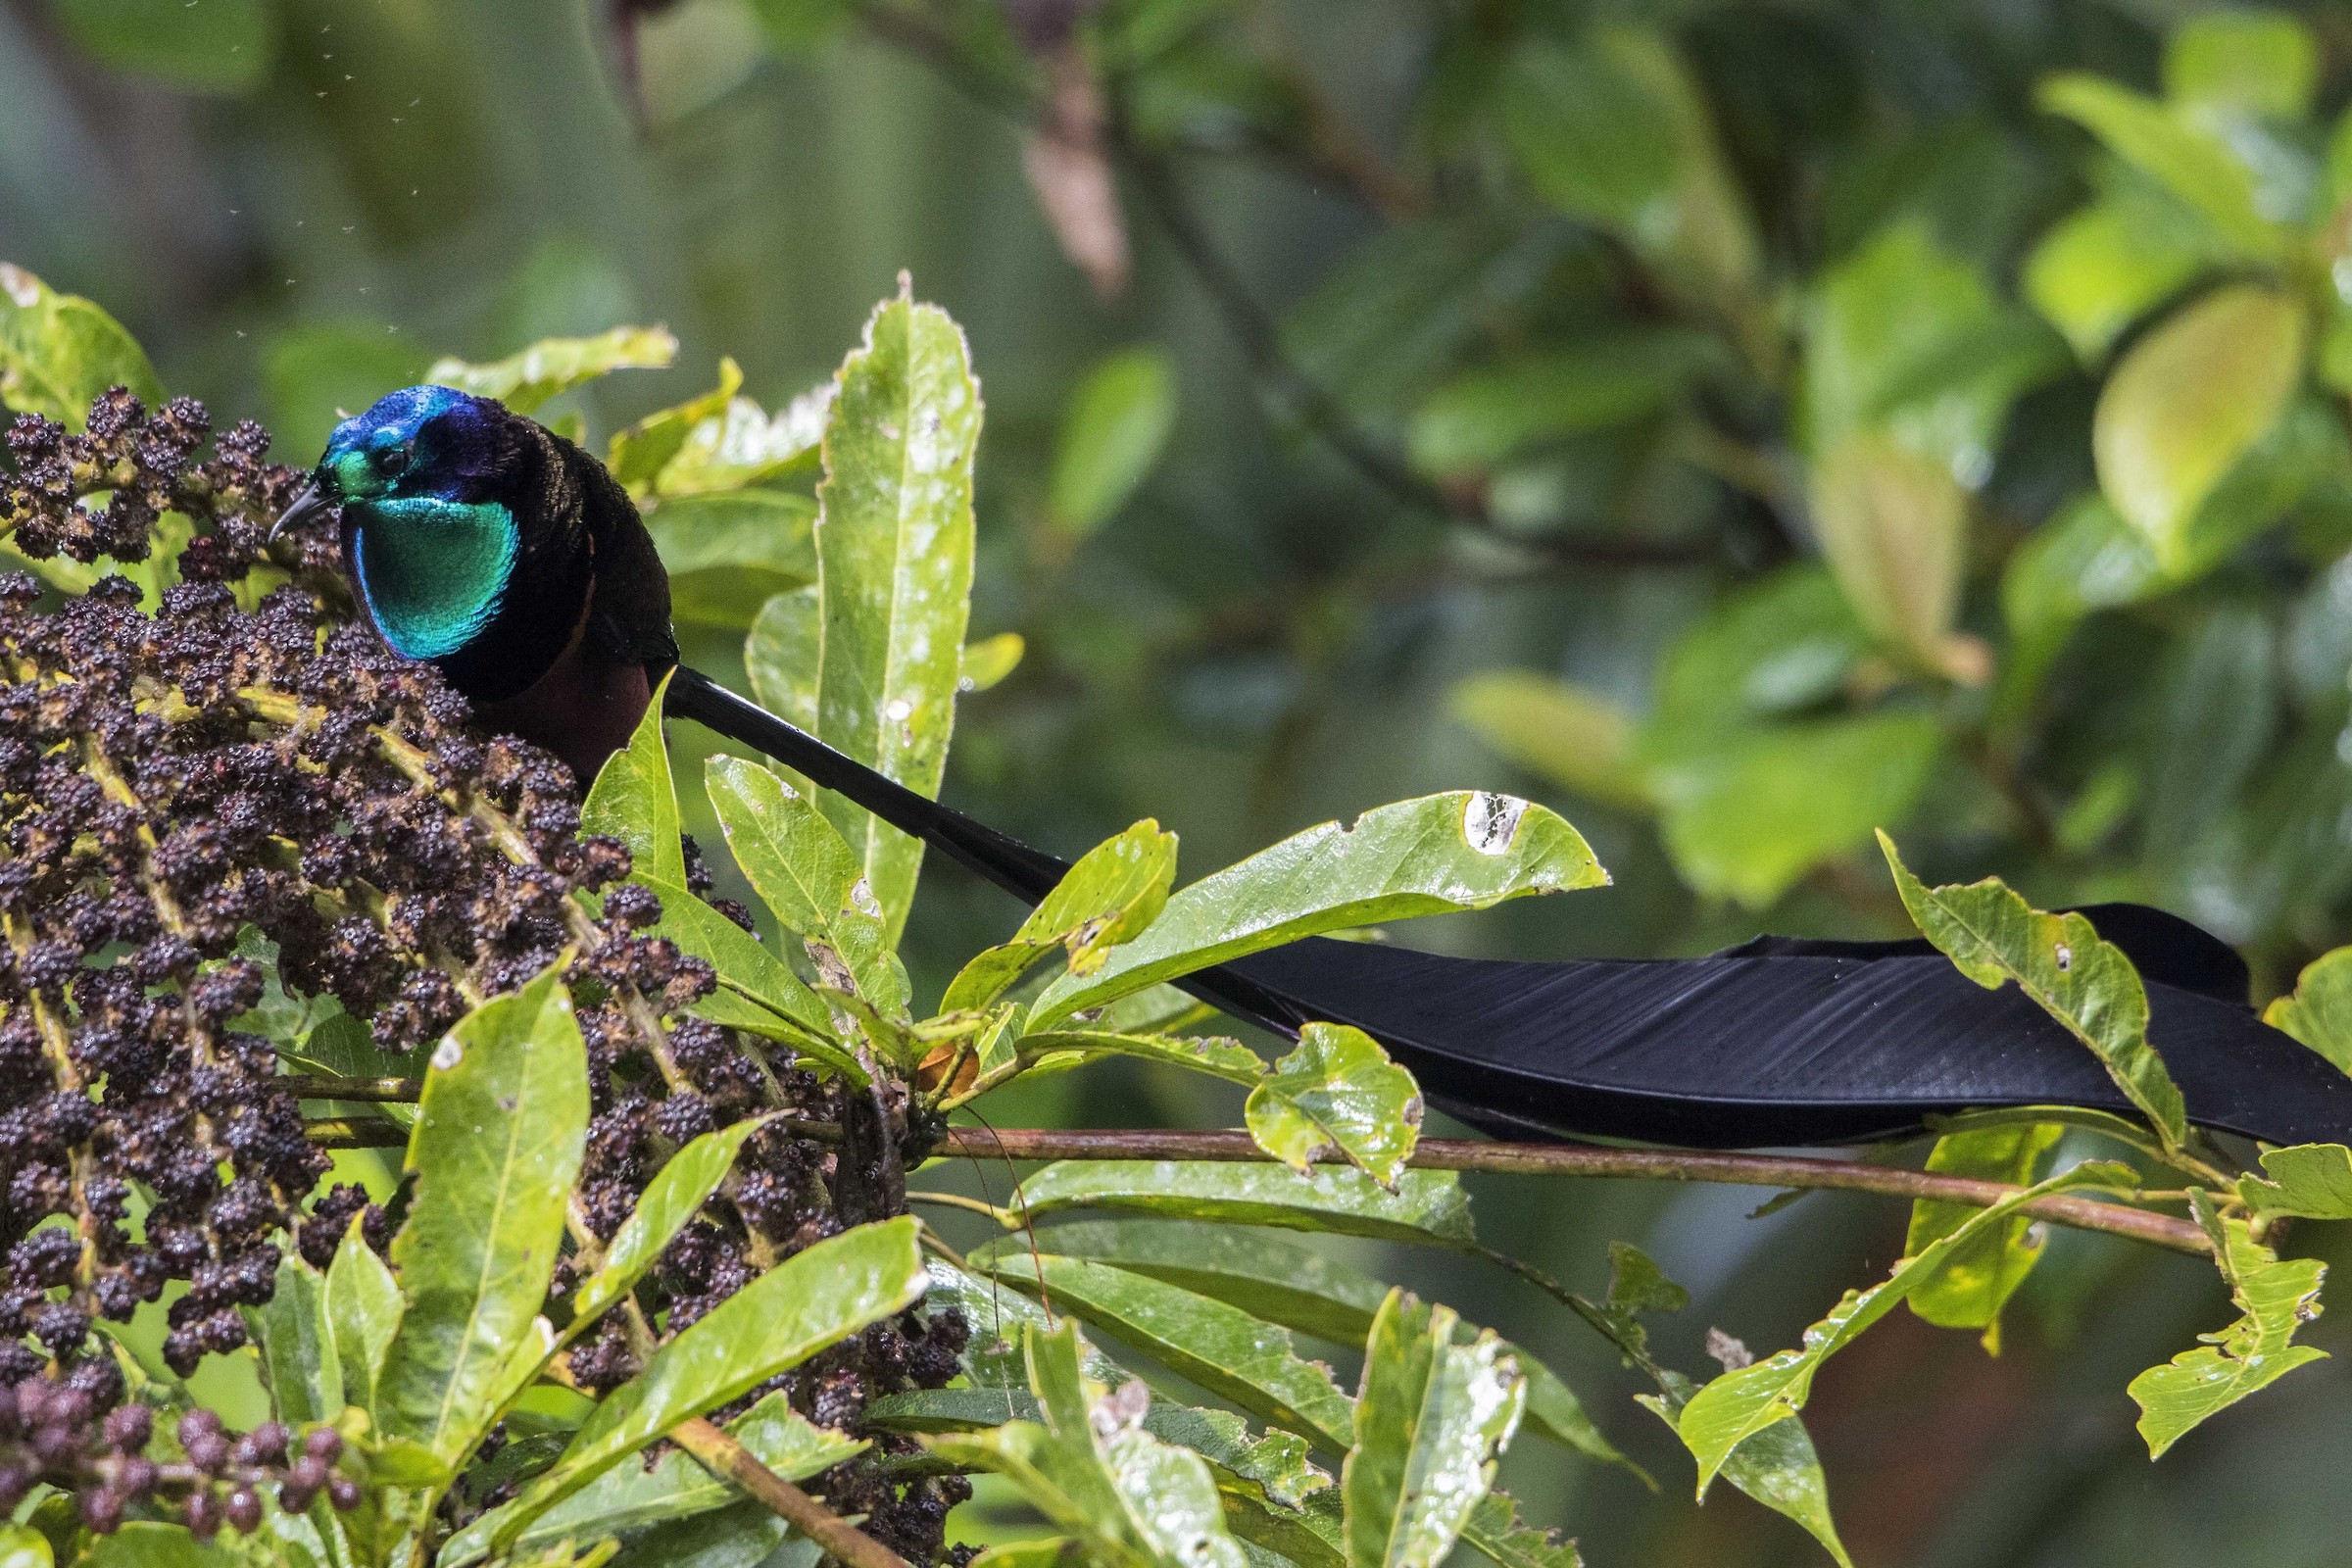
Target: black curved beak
<point x="310" y="499"/>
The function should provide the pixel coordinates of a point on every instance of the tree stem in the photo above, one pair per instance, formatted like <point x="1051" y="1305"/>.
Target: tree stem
<point x="1588" y="1159"/>
<point x="837" y="1536"/>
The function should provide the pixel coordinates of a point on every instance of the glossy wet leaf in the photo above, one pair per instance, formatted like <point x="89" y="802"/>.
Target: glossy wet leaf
<point x="58" y="352"/>
<point x="1466" y="850"/>
<point x="2274" y="1298"/>
<point x="2192" y="399"/>
<point x="1214" y="1054"/>
<point x="1264" y="1275"/>
<point x="1496" y="1532"/>
<point x="524" y="380"/>
<point x="1747" y="811"/>
<point x="1427" y="1207"/>
<point x="894" y="543"/>
<point x="2189" y="159"/>
<point x="630" y="1496"/>
<point x="819" y="1297"/>
<point x="1554" y="1411"/>
<point x="1088" y="1464"/>
<point x="1970" y="1290"/>
<point x="297" y="1339"/>
<point x="1432" y="1417"/>
<point x="501" y="1127"/>
<point x="23" y="1547"/>
<point x="1336" y="1092"/>
<point x="809" y="877"/>
<point x="363" y="1305"/>
<point x="2318" y="1011"/>
<point x="669" y="1201"/>
<point x="1112" y="432"/>
<point x="2312" y="1179"/>
<point x="2062" y="962"/>
<point x="756" y="991"/>
<point x="781" y="654"/>
<point x="1238" y="1358"/>
<point x="743" y="444"/>
<point x="635" y="801"/>
<point x="637" y="454"/>
<point x="1738" y="1405"/>
<point x="1112" y="893"/>
<point x="1777" y="1466"/>
<point x="1561" y="733"/>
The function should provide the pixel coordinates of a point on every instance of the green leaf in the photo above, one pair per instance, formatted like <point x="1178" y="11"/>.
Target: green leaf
<point x="729" y="554"/>
<point x="804" y="873"/>
<point x="365" y="1307"/>
<point x="671" y="1200"/>
<point x="501" y="1128"/>
<point x="556" y="365"/>
<point x="2062" y="962"/>
<point x="2107" y="264"/>
<point x="148" y="1543"/>
<point x="1785" y="643"/>
<point x="1112" y="433"/>
<point x="2190" y="399"/>
<point x="1224" y="1349"/>
<point x="1908" y="340"/>
<point x="2319" y="1013"/>
<point x="2187" y="159"/>
<point x="1739" y="1404"/>
<point x="1482" y="417"/>
<point x="1554" y="1411"/>
<point x="894" y="543"/>
<point x="1563" y="734"/>
<point x="990" y="660"/>
<point x="781" y="655"/>
<point x="1263" y="1275"/>
<point x="2274" y="1300"/>
<point x="1338" y="1092"/>
<point x="297" y="1338"/>
<point x="1430" y="1419"/>
<point x="1970" y="1290"/>
<point x="773" y="1001"/>
<point x="23" y="1547"/>
<point x="2250" y="62"/>
<point x="816" y="1298"/>
<point x="1093" y="1470"/>
<point x="1496" y="1532"/>
<point x="1427" y="1207"/>
<point x="58" y="352"/>
<point x="642" y="451"/>
<point x="1894" y="526"/>
<point x="1467" y="849"/>
<point x="223" y="46"/>
<point x="634" y="799"/>
<point x="1777" y="1466"/>
<point x="1615" y="130"/>
<point x="2085" y="557"/>
<point x="1114" y="892"/>
<point x="743" y="445"/>
<point x="2312" y="1179"/>
<point x="1748" y="812"/>
<point x="1213" y="1054"/>
<point x="630" y="1498"/>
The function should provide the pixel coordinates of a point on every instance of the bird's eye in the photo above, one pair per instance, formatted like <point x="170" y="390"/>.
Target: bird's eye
<point x="391" y="459"/>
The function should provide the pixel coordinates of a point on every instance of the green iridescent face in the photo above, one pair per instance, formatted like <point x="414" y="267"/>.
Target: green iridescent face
<point x="431" y="558"/>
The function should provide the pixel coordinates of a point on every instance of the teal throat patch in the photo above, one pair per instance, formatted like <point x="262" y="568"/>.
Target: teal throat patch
<point x="433" y="571"/>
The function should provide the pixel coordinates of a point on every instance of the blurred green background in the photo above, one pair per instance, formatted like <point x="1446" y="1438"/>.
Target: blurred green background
<point x="1738" y="426"/>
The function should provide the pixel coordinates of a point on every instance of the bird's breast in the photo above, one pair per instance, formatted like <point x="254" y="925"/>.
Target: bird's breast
<point x="433" y="572"/>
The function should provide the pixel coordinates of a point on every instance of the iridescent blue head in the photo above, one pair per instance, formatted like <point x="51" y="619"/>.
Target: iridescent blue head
<point x="430" y="542"/>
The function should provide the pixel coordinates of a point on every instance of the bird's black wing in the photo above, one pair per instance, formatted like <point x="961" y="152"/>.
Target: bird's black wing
<point x="1779" y="1041"/>
<point x="628" y="609"/>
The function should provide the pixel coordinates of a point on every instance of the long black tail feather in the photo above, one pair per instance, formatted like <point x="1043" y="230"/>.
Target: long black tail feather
<point x="1778" y="1042"/>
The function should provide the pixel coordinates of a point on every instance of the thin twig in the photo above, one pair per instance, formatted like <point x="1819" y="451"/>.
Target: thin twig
<point x="837" y="1536"/>
<point x="343" y="1132"/>
<point x="1588" y="1159"/>
<point x="375" y="1091"/>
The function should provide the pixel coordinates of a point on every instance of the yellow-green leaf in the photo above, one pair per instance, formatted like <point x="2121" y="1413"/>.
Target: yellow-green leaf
<point x="1978" y="1279"/>
<point x="2319" y="1013"/>
<point x="522" y="381"/>
<point x="1338" y="1092"/>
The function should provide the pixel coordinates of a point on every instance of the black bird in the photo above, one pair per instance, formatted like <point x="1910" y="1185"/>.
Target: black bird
<point x="509" y="558"/>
